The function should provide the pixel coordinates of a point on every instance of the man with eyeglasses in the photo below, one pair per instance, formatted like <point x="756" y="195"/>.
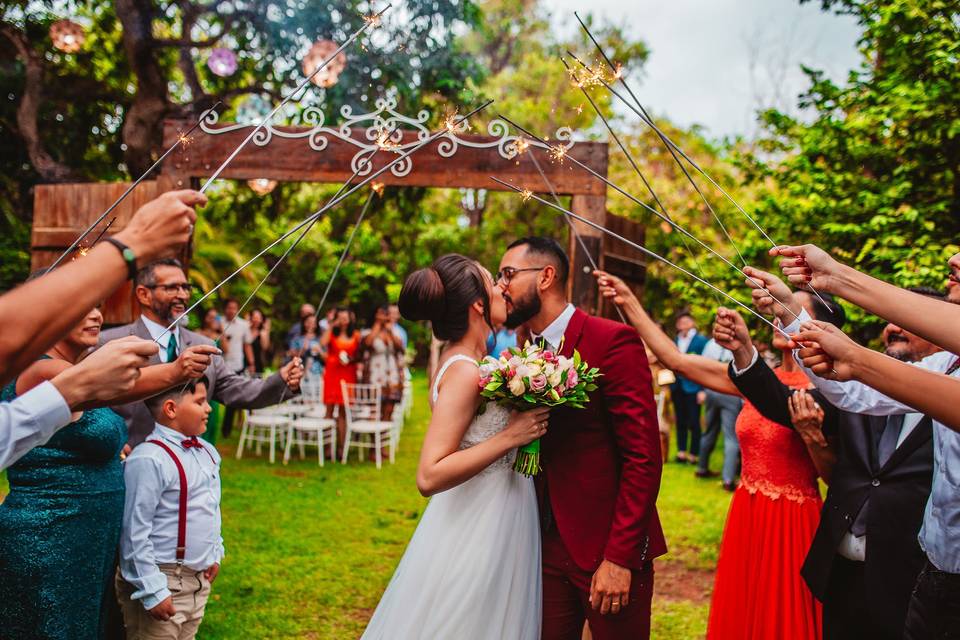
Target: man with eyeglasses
<point x="163" y="292"/>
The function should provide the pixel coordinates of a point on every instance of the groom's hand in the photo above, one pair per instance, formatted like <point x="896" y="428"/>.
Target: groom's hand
<point x="610" y="588"/>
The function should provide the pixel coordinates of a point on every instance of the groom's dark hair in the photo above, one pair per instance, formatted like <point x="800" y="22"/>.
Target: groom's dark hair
<point x="551" y="250"/>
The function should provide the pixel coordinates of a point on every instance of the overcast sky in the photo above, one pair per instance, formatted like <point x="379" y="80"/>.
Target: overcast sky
<point x="714" y="62"/>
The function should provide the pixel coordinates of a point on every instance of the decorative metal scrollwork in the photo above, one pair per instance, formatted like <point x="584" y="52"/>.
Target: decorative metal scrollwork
<point x="385" y="121"/>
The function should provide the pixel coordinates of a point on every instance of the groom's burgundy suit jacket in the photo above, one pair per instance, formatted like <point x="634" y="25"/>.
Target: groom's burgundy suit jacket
<point x="602" y="464"/>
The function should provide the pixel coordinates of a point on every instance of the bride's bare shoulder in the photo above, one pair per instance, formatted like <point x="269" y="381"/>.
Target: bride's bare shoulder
<point x="458" y="376"/>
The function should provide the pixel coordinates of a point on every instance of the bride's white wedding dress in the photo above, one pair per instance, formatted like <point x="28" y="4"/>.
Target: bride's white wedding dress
<point x="472" y="568"/>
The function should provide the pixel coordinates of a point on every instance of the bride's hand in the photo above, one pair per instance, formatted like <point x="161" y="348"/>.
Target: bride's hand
<point x="526" y="426"/>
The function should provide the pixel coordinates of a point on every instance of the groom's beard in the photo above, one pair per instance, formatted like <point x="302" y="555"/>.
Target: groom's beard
<point x="523" y="309"/>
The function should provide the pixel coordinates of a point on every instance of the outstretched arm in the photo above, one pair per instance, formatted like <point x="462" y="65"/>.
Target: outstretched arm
<point x="703" y="371"/>
<point x="831" y="355"/>
<point x="934" y="320"/>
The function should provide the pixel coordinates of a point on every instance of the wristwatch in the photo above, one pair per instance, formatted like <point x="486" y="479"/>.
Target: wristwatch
<point x="128" y="256"/>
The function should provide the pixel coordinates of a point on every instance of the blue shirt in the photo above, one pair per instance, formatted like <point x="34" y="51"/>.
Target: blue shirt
<point x="502" y="339"/>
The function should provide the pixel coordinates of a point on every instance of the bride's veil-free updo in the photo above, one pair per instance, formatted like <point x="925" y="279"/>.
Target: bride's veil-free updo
<point x="443" y="294"/>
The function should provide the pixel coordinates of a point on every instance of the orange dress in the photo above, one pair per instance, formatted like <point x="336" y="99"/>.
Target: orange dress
<point x="758" y="593"/>
<point x="336" y="371"/>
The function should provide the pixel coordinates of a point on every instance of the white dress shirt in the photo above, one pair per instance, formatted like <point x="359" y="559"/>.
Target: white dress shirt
<point x="157" y="330"/>
<point x="151" y="513"/>
<point x="714" y="351"/>
<point x="940" y="534"/>
<point x="553" y="334"/>
<point x="684" y="340"/>
<point x="30" y="420"/>
<point x="238" y="336"/>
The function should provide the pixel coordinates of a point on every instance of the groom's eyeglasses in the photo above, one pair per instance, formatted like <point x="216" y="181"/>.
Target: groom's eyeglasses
<point x="507" y="274"/>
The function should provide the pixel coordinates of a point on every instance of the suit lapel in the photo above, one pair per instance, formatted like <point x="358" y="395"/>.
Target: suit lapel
<point x="917" y="438"/>
<point x="874" y="433"/>
<point x="140" y="330"/>
<point x="571" y="337"/>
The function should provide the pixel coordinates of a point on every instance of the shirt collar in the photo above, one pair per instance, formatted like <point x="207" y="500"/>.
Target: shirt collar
<point x="160" y="334"/>
<point x="553" y="334"/>
<point x="163" y="432"/>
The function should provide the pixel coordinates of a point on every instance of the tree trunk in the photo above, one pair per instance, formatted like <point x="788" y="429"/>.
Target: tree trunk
<point x="143" y="124"/>
<point x="49" y="169"/>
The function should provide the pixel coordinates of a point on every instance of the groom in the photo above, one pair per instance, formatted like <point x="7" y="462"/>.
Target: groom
<point x="602" y="464"/>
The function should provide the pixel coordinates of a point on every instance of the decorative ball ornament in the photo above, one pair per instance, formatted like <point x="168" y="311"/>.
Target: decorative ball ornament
<point x="320" y="51"/>
<point x="67" y="36"/>
<point x="262" y="186"/>
<point x="222" y="62"/>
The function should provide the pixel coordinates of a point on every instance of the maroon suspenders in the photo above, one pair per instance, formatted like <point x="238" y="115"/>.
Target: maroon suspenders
<point x="182" y="517"/>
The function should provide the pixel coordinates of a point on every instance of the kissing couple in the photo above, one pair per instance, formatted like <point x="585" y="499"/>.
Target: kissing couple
<point x="498" y="555"/>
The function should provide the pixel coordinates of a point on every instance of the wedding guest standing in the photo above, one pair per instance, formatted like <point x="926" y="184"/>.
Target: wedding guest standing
<point x="342" y="341"/>
<point x="394" y="311"/>
<point x="260" y="342"/>
<point x="305" y="311"/>
<point x="237" y="331"/>
<point x="162" y="292"/>
<point x="382" y="361"/>
<point x="170" y="556"/>
<point x="60" y="523"/>
<point x="307" y="346"/>
<point x="687" y="394"/>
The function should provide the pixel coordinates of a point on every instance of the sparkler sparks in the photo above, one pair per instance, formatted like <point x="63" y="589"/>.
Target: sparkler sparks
<point x="453" y="125"/>
<point x="378" y="188"/>
<point x="526" y="194"/>
<point x="373" y="20"/>
<point x="522" y="145"/>
<point x="384" y="141"/>
<point x="558" y="153"/>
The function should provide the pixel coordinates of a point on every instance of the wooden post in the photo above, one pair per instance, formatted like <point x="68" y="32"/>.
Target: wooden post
<point x="582" y="285"/>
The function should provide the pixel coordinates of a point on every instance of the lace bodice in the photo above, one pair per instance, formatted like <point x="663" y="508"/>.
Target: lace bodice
<point x="485" y="425"/>
<point x="774" y="459"/>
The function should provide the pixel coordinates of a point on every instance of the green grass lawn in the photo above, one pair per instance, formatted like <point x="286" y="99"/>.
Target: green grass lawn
<point x="310" y="550"/>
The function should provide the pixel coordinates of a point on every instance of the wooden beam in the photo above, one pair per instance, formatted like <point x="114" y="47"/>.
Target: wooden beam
<point x="583" y="292"/>
<point x="292" y="160"/>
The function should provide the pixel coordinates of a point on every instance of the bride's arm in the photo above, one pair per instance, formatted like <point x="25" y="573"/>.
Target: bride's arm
<point x="442" y="464"/>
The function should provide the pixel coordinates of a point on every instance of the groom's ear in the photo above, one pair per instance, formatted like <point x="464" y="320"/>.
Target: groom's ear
<point x="548" y="277"/>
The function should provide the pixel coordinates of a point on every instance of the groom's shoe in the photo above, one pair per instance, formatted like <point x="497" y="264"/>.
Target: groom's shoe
<point x="700" y="473"/>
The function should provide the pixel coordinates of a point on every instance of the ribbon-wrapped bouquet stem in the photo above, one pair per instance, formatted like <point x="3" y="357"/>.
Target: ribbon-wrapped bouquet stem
<point x="532" y="377"/>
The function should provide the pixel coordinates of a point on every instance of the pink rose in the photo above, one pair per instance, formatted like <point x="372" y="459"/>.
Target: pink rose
<point x="572" y="379"/>
<point x="549" y="356"/>
<point x="484" y="382"/>
<point x="538" y="383"/>
<point x="505" y="354"/>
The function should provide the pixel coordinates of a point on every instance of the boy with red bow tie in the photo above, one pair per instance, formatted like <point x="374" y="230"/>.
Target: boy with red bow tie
<point x="170" y="545"/>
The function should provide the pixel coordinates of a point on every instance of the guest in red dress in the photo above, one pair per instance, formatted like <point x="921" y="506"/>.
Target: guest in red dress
<point x="341" y="341"/>
<point x="758" y="590"/>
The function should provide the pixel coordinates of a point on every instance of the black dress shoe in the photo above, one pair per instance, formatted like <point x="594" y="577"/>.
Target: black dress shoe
<point x="700" y="473"/>
<point x="730" y="486"/>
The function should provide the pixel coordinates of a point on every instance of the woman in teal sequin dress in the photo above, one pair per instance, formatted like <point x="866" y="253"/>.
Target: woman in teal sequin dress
<point x="60" y="523"/>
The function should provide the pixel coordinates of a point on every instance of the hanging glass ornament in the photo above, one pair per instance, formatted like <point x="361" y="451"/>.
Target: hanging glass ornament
<point x="222" y="62"/>
<point x="67" y="36"/>
<point x="320" y="51"/>
<point x="262" y="186"/>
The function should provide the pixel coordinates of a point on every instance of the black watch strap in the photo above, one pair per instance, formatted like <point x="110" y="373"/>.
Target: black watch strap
<point x="128" y="256"/>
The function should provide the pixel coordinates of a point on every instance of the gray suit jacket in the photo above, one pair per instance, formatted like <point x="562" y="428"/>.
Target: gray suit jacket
<point x="226" y="387"/>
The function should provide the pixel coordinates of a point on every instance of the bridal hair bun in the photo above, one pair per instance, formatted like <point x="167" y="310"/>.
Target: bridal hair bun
<point x="443" y="294"/>
<point x="423" y="296"/>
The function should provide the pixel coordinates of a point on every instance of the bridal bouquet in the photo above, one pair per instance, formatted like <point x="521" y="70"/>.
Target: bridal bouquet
<point x="532" y="377"/>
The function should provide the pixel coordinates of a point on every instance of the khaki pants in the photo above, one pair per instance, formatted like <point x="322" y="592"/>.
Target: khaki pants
<point x="189" y="591"/>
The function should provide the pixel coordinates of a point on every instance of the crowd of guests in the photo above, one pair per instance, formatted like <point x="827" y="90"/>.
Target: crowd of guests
<point x="876" y="558"/>
<point x="112" y="527"/>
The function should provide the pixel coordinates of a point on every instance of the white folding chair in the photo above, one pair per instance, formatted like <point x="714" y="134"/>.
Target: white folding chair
<point x="263" y="426"/>
<point x="365" y="429"/>
<point x="313" y="431"/>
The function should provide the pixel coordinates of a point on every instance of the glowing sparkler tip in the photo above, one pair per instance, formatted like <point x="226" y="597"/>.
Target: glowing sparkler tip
<point x="618" y="72"/>
<point x="451" y="122"/>
<point x="522" y="145"/>
<point x="378" y="188"/>
<point x="83" y="251"/>
<point x="526" y="194"/>
<point x="558" y="153"/>
<point x="373" y="20"/>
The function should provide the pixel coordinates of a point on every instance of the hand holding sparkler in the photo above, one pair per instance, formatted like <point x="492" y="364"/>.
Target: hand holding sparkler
<point x="161" y="225"/>
<point x="809" y="266"/>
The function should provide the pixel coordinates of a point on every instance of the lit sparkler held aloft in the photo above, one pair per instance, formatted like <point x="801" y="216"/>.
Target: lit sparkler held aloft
<point x="182" y="140"/>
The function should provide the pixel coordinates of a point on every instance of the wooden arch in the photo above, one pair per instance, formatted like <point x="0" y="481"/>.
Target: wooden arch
<point x="321" y="153"/>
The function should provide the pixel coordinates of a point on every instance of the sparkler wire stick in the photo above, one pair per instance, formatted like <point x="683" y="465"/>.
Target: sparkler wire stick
<point x="451" y="125"/>
<point x="573" y="228"/>
<point x="103" y="231"/>
<point x="367" y="22"/>
<point x="633" y="163"/>
<point x="656" y="213"/>
<point x="683" y="168"/>
<point x="181" y="139"/>
<point x="639" y="247"/>
<point x="673" y="147"/>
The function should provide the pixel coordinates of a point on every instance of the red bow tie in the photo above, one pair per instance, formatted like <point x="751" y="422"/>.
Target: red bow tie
<point x="192" y="441"/>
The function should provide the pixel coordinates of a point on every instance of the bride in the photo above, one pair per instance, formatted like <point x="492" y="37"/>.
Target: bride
<point x="472" y="568"/>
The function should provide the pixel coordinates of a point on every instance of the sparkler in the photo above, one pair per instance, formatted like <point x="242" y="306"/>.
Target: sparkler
<point x="368" y="22"/>
<point x="642" y="249"/>
<point x="182" y="139"/>
<point x="672" y="147"/>
<point x="660" y="215"/>
<point x="400" y="158"/>
<point x="633" y="163"/>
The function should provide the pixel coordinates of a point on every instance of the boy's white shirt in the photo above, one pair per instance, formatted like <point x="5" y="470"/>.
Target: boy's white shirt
<point x="151" y="513"/>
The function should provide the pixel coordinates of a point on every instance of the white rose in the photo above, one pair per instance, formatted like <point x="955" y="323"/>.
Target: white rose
<point x="523" y="371"/>
<point x="564" y="363"/>
<point x="516" y="386"/>
<point x="554" y="378"/>
<point x="534" y="370"/>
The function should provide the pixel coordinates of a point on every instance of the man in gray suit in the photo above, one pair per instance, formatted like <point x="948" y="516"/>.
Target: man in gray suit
<point x="163" y="291"/>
